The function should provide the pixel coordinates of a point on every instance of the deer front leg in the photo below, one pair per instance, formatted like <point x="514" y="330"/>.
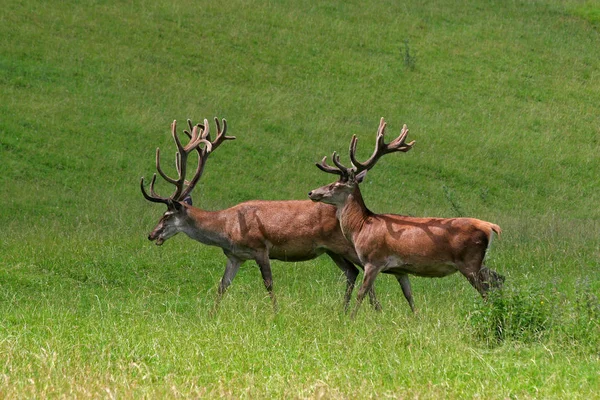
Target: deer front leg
<point x="232" y="268"/>
<point x="265" y="270"/>
<point x="406" y="289"/>
<point x="371" y="272"/>
<point x="351" y="273"/>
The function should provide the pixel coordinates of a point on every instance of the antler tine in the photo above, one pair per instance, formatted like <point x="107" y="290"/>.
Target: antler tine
<point x="340" y="170"/>
<point x="191" y="129"/>
<point x="323" y="166"/>
<point x="353" y="159"/>
<point x="399" y="144"/>
<point x="197" y="138"/>
<point x="192" y="134"/>
<point x="160" y="171"/>
<point x="221" y="137"/>
<point x="381" y="148"/>
<point x="153" y="197"/>
<point x="152" y="192"/>
<point x="180" y="147"/>
<point x="336" y="160"/>
<point x="358" y="166"/>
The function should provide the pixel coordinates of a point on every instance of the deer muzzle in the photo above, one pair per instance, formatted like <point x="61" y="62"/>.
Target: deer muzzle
<point x="153" y="236"/>
<point x="314" y="195"/>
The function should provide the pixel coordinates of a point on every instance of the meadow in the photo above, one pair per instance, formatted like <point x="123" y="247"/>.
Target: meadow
<point x="501" y="96"/>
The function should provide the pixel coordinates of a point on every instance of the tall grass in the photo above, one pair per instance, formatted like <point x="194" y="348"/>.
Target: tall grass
<point x="502" y="100"/>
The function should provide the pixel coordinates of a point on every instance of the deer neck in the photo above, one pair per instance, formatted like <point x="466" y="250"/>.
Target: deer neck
<point x="207" y="227"/>
<point x="353" y="214"/>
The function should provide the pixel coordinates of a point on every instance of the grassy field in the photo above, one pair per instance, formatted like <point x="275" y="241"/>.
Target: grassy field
<point x="501" y="96"/>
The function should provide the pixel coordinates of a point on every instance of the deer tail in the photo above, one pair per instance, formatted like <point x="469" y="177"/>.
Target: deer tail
<point x="496" y="229"/>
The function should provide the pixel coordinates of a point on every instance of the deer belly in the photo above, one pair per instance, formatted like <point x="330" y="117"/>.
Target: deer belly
<point x="299" y="249"/>
<point x="414" y="267"/>
<point x="294" y="253"/>
<point x="432" y="271"/>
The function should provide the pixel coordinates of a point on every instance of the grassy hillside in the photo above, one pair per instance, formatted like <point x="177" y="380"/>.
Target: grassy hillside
<point x="501" y="97"/>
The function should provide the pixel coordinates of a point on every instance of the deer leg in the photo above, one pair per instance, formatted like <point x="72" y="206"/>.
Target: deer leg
<point x="232" y="268"/>
<point x="371" y="272"/>
<point x="373" y="299"/>
<point x="351" y="273"/>
<point x="265" y="270"/>
<point x="406" y="289"/>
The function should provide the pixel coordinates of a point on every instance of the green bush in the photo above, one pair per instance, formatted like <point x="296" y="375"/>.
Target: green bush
<point x="511" y="314"/>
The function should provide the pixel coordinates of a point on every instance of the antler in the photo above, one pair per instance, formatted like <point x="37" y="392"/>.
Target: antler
<point x="221" y="137"/>
<point x="339" y="169"/>
<point x="381" y="148"/>
<point x="200" y="134"/>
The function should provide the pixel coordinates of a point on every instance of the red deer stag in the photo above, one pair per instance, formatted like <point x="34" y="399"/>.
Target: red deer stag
<point x="255" y="230"/>
<point x="400" y="245"/>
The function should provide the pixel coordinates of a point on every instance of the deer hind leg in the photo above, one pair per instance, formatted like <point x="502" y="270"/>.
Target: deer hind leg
<point x="373" y="299"/>
<point x="406" y="289"/>
<point x="371" y="272"/>
<point x="351" y="273"/>
<point x="265" y="270"/>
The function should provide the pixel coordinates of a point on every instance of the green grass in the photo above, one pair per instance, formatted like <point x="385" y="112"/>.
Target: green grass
<point x="502" y="98"/>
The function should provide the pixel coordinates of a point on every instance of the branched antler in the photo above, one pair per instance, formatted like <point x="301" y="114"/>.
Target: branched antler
<point x="381" y="148"/>
<point x="198" y="134"/>
<point x="339" y="169"/>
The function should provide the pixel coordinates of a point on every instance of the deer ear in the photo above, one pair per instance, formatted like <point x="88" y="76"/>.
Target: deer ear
<point x="188" y="200"/>
<point x="360" y="176"/>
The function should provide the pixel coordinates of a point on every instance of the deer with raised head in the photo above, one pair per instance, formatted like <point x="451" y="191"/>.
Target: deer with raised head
<point x="255" y="230"/>
<point x="401" y="245"/>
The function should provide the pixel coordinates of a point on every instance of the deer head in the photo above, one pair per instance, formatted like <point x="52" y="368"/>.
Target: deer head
<point x="337" y="192"/>
<point x="174" y="219"/>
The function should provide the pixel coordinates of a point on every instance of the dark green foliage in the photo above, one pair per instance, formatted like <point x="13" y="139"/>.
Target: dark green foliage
<point x="409" y="58"/>
<point x="508" y="314"/>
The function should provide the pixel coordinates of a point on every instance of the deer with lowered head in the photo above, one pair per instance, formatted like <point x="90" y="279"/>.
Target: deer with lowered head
<point x="402" y="245"/>
<point x="255" y="230"/>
